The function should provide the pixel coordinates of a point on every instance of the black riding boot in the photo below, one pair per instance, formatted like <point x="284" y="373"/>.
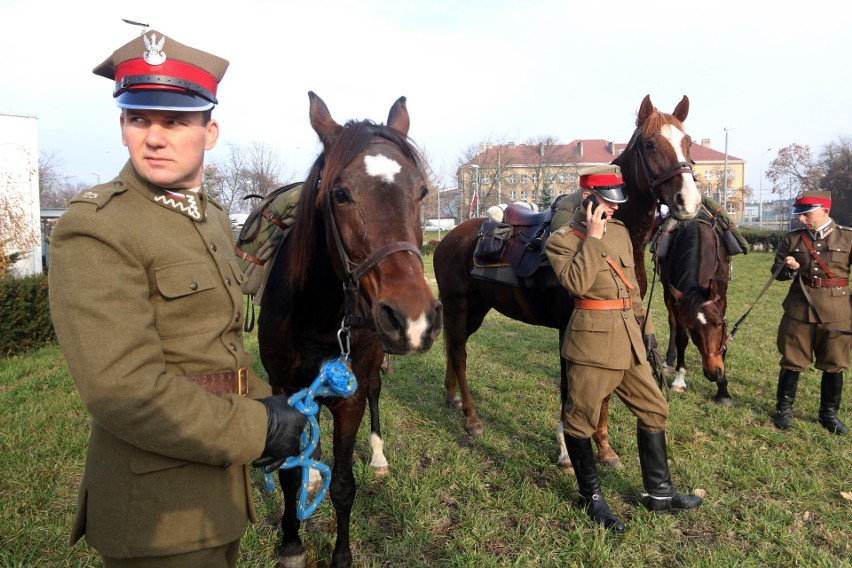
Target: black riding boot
<point x="589" y="484"/>
<point x="661" y="496"/>
<point x="788" y="381"/>
<point x="829" y="402"/>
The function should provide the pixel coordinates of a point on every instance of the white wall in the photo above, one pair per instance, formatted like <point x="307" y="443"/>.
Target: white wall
<point x="19" y="180"/>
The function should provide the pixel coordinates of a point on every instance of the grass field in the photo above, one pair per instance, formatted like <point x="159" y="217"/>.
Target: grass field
<point x="772" y="498"/>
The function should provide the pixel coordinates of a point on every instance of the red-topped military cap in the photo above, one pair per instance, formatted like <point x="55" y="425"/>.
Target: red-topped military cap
<point x="810" y="200"/>
<point x="155" y="72"/>
<point x="605" y="180"/>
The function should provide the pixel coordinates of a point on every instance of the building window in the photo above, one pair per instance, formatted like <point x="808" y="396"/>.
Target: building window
<point x="708" y="175"/>
<point x="485" y="179"/>
<point x="561" y="178"/>
<point x="535" y="178"/>
<point x="512" y="196"/>
<point x="512" y="179"/>
<point x="525" y="178"/>
<point x="523" y="196"/>
<point x="574" y="176"/>
<point x="532" y="195"/>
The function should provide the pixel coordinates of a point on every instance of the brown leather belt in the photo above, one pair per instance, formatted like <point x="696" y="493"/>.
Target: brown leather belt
<point x="619" y="304"/>
<point x="243" y="254"/>
<point x="826" y="282"/>
<point x="229" y="382"/>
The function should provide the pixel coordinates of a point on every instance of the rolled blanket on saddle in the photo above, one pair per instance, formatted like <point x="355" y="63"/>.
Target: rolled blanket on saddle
<point x="712" y="212"/>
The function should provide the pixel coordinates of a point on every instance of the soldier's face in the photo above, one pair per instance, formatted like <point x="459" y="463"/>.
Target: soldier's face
<point x="167" y="147"/>
<point x="815" y="218"/>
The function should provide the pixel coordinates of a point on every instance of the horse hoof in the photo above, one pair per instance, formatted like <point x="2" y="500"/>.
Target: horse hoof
<point x="725" y="402"/>
<point x="454" y="403"/>
<point x="612" y="462"/>
<point x="380" y="471"/>
<point x="678" y="388"/>
<point x="567" y="467"/>
<point x="474" y="430"/>
<point x="294" y="561"/>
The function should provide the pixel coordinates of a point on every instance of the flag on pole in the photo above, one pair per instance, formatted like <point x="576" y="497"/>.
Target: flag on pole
<point x="473" y="203"/>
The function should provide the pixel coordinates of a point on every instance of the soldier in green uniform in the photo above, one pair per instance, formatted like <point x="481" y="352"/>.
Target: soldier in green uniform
<point x="817" y="310"/>
<point x="592" y="256"/>
<point x="146" y="302"/>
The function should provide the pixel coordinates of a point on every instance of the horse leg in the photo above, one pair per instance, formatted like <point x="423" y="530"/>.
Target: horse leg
<point x="723" y="397"/>
<point x="671" y="351"/>
<point x="564" y="461"/>
<point x="291" y="551"/>
<point x="456" y="333"/>
<point x="347" y="418"/>
<point x="682" y="340"/>
<point x="606" y="455"/>
<point x="377" y="445"/>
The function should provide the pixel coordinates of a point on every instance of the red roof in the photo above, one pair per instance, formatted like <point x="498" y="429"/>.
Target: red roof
<point x="580" y="151"/>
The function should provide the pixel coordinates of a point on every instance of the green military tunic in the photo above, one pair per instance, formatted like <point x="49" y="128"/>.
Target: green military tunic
<point x="145" y="290"/>
<point x="805" y="329"/>
<point x="604" y="348"/>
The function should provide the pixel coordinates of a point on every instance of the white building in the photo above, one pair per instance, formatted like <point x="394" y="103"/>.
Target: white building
<point x="19" y="192"/>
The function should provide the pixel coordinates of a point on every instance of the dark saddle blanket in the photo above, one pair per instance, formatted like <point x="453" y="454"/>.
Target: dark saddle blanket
<point x="513" y="249"/>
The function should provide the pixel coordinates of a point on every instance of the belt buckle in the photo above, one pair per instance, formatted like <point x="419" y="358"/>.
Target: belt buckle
<point x="815" y="282"/>
<point x="242" y="381"/>
<point x="625" y="303"/>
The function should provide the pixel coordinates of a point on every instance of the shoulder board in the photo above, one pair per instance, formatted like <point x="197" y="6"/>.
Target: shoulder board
<point x="794" y="231"/>
<point x="843" y="227"/>
<point x="100" y="194"/>
<point x="560" y="231"/>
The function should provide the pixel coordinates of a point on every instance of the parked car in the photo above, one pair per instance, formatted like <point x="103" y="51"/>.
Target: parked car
<point x="431" y="227"/>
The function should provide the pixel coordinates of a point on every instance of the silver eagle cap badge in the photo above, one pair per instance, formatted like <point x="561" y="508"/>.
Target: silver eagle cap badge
<point x="154" y="54"/>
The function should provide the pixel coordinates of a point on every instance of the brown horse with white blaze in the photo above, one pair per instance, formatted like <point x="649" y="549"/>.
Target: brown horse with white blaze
<point x="656" y="170"/>
<point x="348" y="280"/>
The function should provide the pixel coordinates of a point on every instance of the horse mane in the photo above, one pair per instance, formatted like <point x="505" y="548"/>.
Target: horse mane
<point x="687" y="255"/>
<point x="308" y="230"/>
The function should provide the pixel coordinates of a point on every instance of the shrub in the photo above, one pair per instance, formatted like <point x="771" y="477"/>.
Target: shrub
<point x="761" y="239"/>
<point x="25" y="323"/>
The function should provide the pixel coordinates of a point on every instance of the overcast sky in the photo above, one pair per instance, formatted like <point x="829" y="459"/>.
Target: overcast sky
<point x="772" y="73"/>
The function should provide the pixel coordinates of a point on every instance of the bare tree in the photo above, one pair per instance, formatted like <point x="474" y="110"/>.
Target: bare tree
<point x="17" y="233"/>
<point x="793" y="171"/>
<point x="836" y="162"/>
<point x="484" y="167"/>
<point x="264" y="169"/>
<point x="252" y="171"/>
<point x="55" y="187"/>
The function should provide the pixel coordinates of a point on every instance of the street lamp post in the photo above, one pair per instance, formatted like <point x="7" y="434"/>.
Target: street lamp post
<point x="97" y="177"/>
<point x="760" y="191"/>
<point x="725" y="173"/>
<point x="476" y="191"/>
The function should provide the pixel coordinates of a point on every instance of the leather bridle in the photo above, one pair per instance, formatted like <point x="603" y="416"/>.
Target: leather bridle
<point x="655" y="180"/>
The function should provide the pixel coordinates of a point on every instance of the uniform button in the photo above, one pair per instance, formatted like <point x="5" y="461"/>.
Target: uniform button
<point x="214" y="247"/>
<point x="226" y="464"/>
<point x="193" y="285"/>
<point x="228" y="281"/>
<point x="603" y="254"/>
<point x="233" y="347"/>
<point x="237" y="317"/>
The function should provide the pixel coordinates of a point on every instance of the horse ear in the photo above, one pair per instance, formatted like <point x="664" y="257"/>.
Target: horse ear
<point x="714" y="290"/>
<point x="325" y="126"/>
<point x="645" y="110"/>
<point x="682" y="109"/>
<point x="676" y="294"/>
<point x="398" y="117"/>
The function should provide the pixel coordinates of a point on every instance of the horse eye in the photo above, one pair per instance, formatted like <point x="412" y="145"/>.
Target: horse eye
<point x="649" y="145"/>
<point x="424" y="191"/>
<point x="340" y="195"/>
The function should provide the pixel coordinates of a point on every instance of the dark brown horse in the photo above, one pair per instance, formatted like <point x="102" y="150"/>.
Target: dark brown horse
<point x="349" y="275"/>
<point x="656" y="169"/>
<point x="694" y="275"/>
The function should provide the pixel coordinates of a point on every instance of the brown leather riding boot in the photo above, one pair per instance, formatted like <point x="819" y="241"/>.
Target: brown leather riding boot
<point x="788" y="382"/>
<point x="829" y="402"/>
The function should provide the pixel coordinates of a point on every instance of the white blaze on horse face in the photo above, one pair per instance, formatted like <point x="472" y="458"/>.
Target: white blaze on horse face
<point x="416" y="330"/>
<point x="382" y="167"/>
<point x="701" y="318"/>
<point x="688" y="189"/>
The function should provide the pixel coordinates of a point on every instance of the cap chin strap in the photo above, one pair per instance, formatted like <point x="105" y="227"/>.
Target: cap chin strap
<point x="133" y="81"/>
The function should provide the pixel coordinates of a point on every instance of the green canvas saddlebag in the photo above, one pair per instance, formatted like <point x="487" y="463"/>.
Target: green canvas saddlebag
<point x="263" y="232"/>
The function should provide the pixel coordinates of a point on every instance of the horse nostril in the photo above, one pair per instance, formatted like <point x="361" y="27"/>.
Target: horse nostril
<point x="679" y="199"/>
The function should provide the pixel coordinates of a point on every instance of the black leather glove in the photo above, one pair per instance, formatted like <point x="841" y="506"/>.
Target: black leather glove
<point x="653" y="352"/>
<point x="283" y="427"/>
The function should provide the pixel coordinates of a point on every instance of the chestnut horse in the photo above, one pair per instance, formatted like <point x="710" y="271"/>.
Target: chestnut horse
<point x="694" y="274"/>
<point x="353" y="256"/>
<point x="656" y="169"/>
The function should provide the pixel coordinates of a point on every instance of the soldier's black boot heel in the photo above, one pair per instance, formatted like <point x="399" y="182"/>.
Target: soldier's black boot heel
<point x="660" y="496"/>
<point x="589" y="484"/>
<point x="788" y="382"/>
<point x="829" y="403"/>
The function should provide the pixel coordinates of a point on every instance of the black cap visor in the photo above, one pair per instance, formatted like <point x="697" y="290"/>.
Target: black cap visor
<point x="162" y="99"/>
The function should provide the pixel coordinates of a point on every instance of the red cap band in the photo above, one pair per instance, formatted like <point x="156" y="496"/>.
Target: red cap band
<point x="600" y="180"/>
<point x="170" y="68"/>
<point x="821" y="201"/>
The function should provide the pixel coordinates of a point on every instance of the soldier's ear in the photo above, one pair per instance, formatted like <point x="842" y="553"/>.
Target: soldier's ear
<point x="211" y="134"/>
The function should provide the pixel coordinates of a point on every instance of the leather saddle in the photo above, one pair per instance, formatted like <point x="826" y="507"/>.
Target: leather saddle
<point x="530" y="231"/>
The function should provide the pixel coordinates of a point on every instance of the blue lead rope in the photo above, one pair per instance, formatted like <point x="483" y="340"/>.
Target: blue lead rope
<point x="335" y="379"/>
